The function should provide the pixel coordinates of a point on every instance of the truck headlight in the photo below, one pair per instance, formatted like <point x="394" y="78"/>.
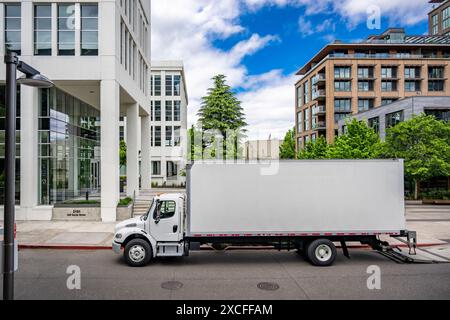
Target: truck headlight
<point x="119" y="236"/>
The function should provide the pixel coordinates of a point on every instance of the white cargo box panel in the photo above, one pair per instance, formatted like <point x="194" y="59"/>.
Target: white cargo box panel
<point x="301" y="197"/>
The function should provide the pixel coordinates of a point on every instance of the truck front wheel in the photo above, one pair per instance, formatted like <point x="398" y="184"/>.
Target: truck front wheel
<point x="138" y="253"/>
<point x="321" y="252"/>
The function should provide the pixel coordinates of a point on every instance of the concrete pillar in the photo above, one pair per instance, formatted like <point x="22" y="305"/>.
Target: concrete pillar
<point x="110" y="116"/>
<point x="145" y="154"/>
<point x="132" y="149"/>
<point x="27" y="28"/>
<point x="29" y="151"/>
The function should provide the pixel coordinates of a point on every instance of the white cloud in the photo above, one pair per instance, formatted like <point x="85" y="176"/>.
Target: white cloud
<point x="185" y="30"/>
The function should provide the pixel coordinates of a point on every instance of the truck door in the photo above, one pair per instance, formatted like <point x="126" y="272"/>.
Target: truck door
<point x="165" y="225"/>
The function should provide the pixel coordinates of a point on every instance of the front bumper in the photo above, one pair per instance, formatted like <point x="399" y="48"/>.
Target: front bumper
<point x="117" y="247"/>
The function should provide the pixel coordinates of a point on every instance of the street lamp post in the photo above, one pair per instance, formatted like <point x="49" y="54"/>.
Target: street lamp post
<point x="33" y="78"/>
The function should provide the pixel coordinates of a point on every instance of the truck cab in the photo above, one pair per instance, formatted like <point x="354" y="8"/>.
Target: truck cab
<point x="158" y="233"/>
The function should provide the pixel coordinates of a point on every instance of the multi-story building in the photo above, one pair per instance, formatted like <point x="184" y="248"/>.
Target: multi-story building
<point x="348" y="78"/>
<point x="439" y="18"/>
<point x="262" y="149"/>
<point x="97" y="53"/>
<point x="168" y="144"/>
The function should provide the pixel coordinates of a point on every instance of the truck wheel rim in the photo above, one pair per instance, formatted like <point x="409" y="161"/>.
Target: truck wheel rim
<point x="323" y="252"/>
<point x="137" y="253"/>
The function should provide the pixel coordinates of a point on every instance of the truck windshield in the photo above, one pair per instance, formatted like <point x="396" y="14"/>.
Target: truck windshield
<point x="145" y="217"/>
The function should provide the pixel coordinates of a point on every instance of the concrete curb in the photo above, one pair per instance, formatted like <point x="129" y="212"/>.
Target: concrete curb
<point x="206" y="248"/>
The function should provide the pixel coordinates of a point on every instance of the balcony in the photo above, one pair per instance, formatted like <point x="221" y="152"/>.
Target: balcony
<point x="319" y="125"/>
<point x="319" y="94"/>
<point x="319" y="79"/>
<point x="321" y="110"/>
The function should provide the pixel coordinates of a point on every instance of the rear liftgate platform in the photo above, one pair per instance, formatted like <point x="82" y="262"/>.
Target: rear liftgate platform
<point x="414" y="254"/>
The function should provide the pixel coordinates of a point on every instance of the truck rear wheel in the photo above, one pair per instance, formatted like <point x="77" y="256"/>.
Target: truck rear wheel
<point x="321" y="252"/>
<point x="138" y="253"/>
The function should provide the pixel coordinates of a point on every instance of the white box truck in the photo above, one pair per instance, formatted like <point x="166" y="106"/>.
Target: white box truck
<point x="303" y="205"/>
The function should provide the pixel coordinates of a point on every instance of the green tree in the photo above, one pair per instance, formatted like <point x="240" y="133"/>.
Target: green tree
<point x="358" y="142"/>
<point x="287" y="148"/>
<point x="315" y="149"/>
<point x="222" y="111"/>
<point x="424" y="143"/>
<point x="123" y="153"/>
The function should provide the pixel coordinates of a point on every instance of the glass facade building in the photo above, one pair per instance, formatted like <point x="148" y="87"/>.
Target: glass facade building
<point x="69" y="148"/>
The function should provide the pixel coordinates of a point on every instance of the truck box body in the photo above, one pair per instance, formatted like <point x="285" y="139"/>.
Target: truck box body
<point x="303" y="198"/>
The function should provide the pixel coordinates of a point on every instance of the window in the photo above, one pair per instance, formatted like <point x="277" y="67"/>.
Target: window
<point x="442" y="115"/>
<point x="156" y="85"/>
<point x="177" y="136"/>
<point x="156" y="168"/>
<point x="388" y="86"/>
<point x="299" y="96"/>
<point x="307" y="124"/>
<point x="392" y="119"/>
<point x="374" y="123"/>
<point x="299" y="122"/>
<point x="157" y="136"/>
<point x="169" y="88"/>
<point x="412" y="72"/>
<point x="342" y="105"/>
<point x="66" y="29"/>
<point x="446" y="18"/>
<point x="157" y="105"/>
<point x="152" y="110"/>
<point x="306" y="93"/>
<point x="386" y="101"/>
<point x="365" y="72"/>
<point x="436" y="85"/>
<point x="436" y="72"/>
<point x="342" y="72"/>
<point x="340" y="116"/>
<point x="412" y="86"/>
<point x="43" y="30"/>
<point x="435" y="24"/>
<point x="166" y="209"/>
<point x="342" y="86"/>
<point x="388" y="72"/>
<point x="177" y="111"/>
<point x="365" y="86"/>
<point x="168" y="136"/>
<point x="169" y="110"/>
<point x="177" y="86"/>
<point x="13" y="28"/>
<point x="365" y="104"/>
<point x="89" y="30"/>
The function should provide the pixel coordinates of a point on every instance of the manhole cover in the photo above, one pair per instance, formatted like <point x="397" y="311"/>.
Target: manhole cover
<point x="268" y="286"/>
<point x="172" y="285"/>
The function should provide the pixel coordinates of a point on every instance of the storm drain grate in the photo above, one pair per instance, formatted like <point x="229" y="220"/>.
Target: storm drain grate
<point x="172" y="285"/>
<point x="268" y="286"/>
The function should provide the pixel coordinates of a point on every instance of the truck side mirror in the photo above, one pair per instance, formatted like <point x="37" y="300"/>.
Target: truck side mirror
<point x="158" y="213"/>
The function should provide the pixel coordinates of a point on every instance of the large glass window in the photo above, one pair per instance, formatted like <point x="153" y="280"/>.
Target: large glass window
<point x="13" y="28"/>
<point x="388" y="86"/>
<point x="299" y="96"/>
<point x="43" y="30"/>
<point x="306" y="93"/>
<point x="365" y="104"/>
<point x="446" y="18"/>
<point x="307" y="123"/>
<point x="177" y="136"/>
<point x="169" y="85"/>
<point x="66" y="29"/>
<point x="374" y="123"/>
<point x="89" y="30"/>
<point x="177" y="111"/>
<point x="156" y="168"/>
<point x="169" y="110"/>
<point x="158" y="136"/>
<point x="342" y="72"/>
<point x="343" y="86"/>
<point x="388" y="72"/>
<point x="168" y="136"/>
<point x="156" y="85"/>
<point x="300" y="122"/>
<point x="342" y="105"/>
<point x="392" y="119"/>
<point x="177" y="86"/>
<point x="69" y="148"/>
<point x="435" y="24"/>
<point x="157" y="106"/>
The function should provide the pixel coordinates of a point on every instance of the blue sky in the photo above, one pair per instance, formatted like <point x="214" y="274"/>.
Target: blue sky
<point x="259" y="44"/>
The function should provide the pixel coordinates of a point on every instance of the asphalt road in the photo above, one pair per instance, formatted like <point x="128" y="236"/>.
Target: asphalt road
<point x="225" y="275"/>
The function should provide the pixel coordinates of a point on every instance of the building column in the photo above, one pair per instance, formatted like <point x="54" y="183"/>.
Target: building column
<point x="29" y="152"/>
<point x="145" y="154"/>
<point x="132" y="150"/>
<point x="110" y="171"/>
